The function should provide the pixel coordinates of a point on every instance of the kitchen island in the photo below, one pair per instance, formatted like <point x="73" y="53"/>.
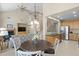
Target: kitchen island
<point x="52" y="37"/>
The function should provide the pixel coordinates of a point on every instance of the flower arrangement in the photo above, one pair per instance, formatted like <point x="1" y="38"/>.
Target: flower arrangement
<point x="36" y="37"/>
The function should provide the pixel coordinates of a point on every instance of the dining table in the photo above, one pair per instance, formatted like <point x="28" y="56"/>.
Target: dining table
<point x="32" y="45"/>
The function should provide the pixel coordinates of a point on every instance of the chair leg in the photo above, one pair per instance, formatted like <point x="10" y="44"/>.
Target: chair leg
<point x="78" y="43"/>
<point x="42" y="52"/>
<point x="1" y="45"/>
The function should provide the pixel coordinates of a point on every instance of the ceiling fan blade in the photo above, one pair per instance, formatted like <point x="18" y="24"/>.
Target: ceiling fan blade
<point x="23" y="8"/>
<point x="30" y="12"/>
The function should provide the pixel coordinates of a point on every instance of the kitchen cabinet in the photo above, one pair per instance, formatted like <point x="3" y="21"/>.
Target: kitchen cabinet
<point x="73" y="36"/>
<point x="52" y="38"/>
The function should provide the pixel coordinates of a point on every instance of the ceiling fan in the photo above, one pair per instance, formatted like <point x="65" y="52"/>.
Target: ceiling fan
<point x="22" y="7"/>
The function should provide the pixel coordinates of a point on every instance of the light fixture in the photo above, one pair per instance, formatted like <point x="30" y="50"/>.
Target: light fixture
<point x="74" y="12"/>
<point x="35" y="23"/>
<point x="21" y="6"/>
<point x="75" y="15"/>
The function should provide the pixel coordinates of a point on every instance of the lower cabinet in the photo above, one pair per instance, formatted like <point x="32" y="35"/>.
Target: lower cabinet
<point x="52" y="38"/>
<point x="73" y="37"/>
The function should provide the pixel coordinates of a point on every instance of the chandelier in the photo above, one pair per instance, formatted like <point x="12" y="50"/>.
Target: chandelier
<point x="35" y="22"/>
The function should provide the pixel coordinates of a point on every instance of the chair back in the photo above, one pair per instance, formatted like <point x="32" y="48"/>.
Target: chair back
<point x="16" y="42"/>
<point x="56" y="44"/>
<point x="28" y="53"/>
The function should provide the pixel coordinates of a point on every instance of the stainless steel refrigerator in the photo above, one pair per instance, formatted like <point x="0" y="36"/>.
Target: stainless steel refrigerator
<point x="65" y="31"/>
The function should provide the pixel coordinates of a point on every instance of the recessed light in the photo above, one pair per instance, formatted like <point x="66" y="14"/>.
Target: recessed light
<point x="74" y="12"/>
<point x="75" y="15"/>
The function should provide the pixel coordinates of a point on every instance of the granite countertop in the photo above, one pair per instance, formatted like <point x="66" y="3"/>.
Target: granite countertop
<point x="52" y="33"/>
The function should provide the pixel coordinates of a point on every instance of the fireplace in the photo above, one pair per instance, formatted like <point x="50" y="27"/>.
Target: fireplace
<point x="21" y="28"/>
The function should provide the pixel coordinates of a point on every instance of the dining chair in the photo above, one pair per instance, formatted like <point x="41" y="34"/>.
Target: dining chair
<point x="56" y="44"/>
<point x="28" y="53"/>
<point x="17" y="43"/>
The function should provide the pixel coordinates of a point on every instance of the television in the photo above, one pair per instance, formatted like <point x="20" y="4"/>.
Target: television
<point x="21" y="29"/>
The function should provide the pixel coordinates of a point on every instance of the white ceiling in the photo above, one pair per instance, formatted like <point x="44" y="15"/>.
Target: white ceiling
<point x="68" y="14"/>
<point x="8" y="6"/>
<point x="14" y="6"/>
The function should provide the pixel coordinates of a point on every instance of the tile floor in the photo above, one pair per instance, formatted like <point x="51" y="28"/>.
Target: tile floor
<point x="66" y="48"/>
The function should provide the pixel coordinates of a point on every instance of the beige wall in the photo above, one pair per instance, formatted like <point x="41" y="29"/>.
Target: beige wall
<point x="17" y="16"/>
<point x="1" y="22"/>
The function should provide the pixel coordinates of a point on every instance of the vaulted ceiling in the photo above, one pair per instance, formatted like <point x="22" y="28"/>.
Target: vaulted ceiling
<point x="14" y="6"/>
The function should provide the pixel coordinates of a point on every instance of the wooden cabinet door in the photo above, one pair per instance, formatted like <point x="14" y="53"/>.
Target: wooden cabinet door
<point x="73" y="37"/>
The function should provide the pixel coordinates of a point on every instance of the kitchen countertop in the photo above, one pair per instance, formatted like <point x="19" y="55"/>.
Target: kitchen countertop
<point x="52" y="33"/>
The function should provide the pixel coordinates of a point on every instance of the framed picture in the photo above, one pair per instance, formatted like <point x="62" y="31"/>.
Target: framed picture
<point x="9" y="26"/>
